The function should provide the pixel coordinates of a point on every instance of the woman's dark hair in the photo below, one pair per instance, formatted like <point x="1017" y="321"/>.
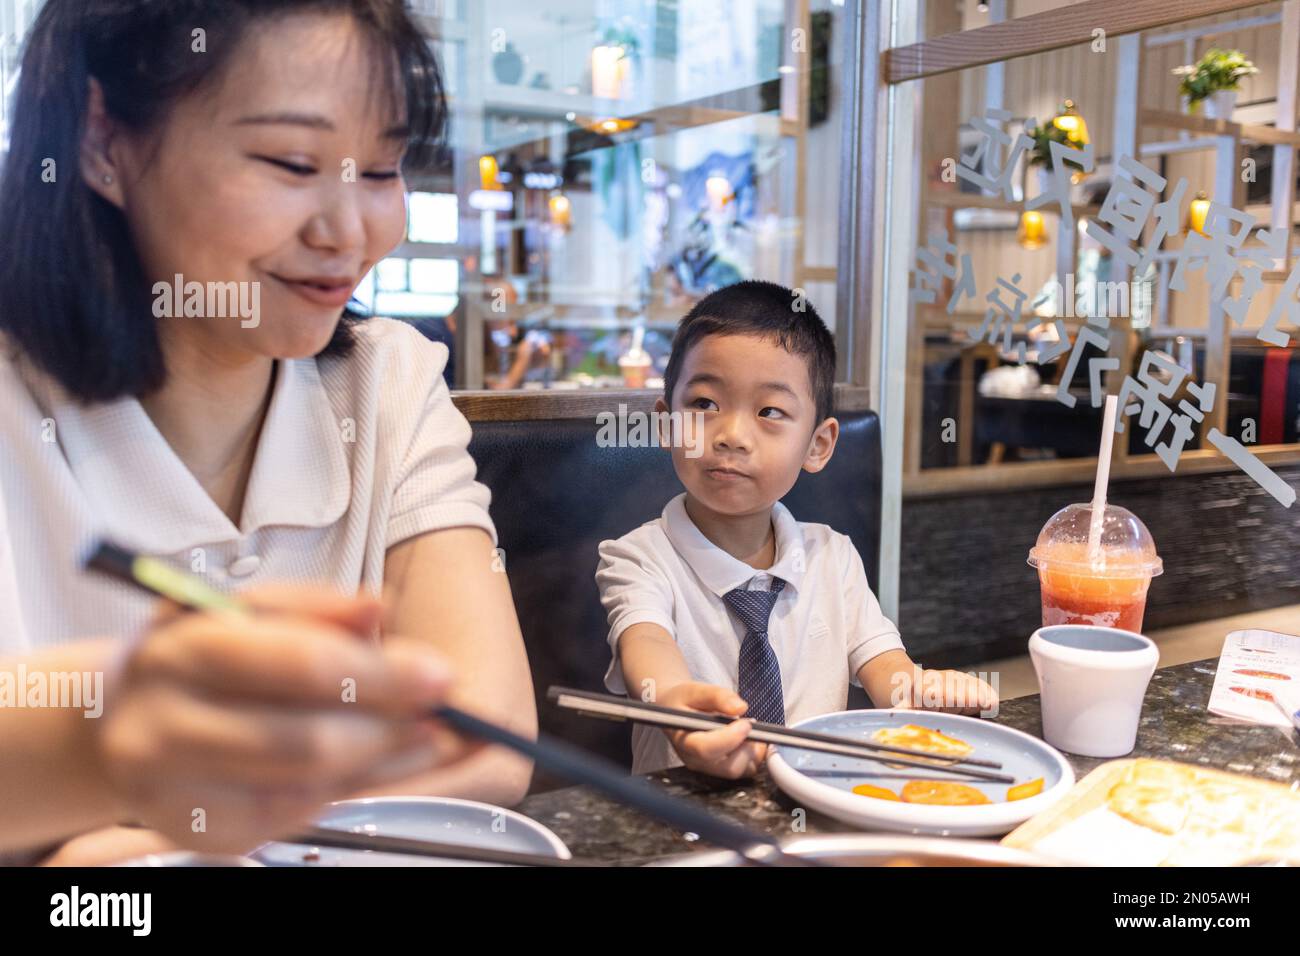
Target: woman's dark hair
<point x="74" y="298"/>
<point x="767" y="310"/>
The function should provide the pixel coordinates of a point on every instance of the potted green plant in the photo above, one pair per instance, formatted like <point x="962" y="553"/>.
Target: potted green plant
<point x="1214" y="80"/>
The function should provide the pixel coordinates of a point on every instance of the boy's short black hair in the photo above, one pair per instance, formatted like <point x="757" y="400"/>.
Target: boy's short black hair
<point x="73" y="295"/>
<point x="768" y="310"/>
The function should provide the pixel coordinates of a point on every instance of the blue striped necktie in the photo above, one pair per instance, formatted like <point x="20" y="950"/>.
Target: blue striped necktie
<point x="759" y="672"/>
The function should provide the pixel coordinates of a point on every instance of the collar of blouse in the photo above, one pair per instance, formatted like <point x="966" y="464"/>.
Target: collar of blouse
<point x="149" y="500"/>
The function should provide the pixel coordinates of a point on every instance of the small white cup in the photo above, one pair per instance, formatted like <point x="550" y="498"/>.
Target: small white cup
<point x="1092" y="681"/>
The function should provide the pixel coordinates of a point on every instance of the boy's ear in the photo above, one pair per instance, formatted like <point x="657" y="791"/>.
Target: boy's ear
<point x="822" y="445"/>
<point x="661" y="422"/>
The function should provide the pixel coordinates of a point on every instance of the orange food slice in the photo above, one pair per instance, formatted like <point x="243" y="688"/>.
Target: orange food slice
<point x="1022" y="791"/>
<point x="942" y="792"/>
<point x="870" y="790"/>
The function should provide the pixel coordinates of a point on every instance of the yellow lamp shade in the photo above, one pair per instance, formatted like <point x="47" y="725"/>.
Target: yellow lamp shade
<point x="1071" y="123"/>
<point x="1196" y="213"/>
<point x="487" y="172"/>
<point x="561" y="210"/>
<point x="1032" y="233"/>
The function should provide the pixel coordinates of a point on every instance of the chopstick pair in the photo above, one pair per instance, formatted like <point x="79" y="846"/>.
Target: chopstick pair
<point x="163" y="580"/>
<point x="594" y="704"/>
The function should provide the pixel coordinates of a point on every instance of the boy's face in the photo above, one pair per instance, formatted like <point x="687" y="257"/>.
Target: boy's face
<point x="760" y="423"/>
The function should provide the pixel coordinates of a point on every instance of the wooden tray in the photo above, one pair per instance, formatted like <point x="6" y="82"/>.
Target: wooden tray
<point x="1277" y="801"/>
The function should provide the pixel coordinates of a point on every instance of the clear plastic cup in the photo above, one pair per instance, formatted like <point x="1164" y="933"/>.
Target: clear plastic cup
<point x="1110" y="591"/>
<point x="635" y="367"/>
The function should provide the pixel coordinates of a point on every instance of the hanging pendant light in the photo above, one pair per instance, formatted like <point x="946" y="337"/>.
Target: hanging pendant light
<point x="1196" y="213"/>
<point x="1071" y="124"/>
<point x="488" y="171"/>
<point x="561" y="211"/>
<point x="1032" y="233"/>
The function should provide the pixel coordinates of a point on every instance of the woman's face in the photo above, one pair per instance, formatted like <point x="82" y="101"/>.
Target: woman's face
<point x="283" y="176"/>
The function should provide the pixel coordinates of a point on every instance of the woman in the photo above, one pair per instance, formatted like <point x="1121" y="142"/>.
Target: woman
<point x="193" y="190"/>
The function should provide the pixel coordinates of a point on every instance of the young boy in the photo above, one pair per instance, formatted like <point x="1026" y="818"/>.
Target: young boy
<point x="726" y="603"/>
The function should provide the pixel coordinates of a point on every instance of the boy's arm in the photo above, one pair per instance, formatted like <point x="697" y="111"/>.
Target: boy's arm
<point x="888" y="675"/>
<point x="653" y="665"/>
<point x="877" y="678"/>
<point x="651" y="662"/>
<point x="893" y="680"/>
<point x="647" y="664"/>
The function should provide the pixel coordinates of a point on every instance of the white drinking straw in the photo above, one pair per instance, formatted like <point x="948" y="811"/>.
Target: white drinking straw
<point x="1103" y="478"/>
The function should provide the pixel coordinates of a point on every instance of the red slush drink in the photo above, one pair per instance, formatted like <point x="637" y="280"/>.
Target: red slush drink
<point x="1107" y="588"/>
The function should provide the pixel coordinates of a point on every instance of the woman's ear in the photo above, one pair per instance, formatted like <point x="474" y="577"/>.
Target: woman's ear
<point x="822" y="445"/>
<point x="97" y="166"/>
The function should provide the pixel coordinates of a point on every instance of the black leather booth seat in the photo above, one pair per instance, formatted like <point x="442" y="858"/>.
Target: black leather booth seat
<point x="556" y="495"/>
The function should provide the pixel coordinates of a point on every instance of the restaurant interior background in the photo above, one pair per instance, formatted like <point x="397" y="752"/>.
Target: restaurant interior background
<point x="612" y="161"/>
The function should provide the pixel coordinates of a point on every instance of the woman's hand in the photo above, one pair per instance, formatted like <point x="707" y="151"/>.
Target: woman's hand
<point x="223" y="732"/>
<point x="109" y="846"/>
<point x="723" y="752"/>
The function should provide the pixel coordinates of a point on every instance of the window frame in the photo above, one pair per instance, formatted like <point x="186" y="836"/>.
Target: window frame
<point x="853" y="272"/>
<point x="905" y="58"/>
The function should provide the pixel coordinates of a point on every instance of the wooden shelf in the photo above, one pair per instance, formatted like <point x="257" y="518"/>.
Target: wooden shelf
<point x="959" y="200"/>
<point x="1041" y="32"/>
<point x="1164" y="119"/>
<point x="1015" y="476"/>
<point x="740" y="103"/>
<point x="479" y="405"/>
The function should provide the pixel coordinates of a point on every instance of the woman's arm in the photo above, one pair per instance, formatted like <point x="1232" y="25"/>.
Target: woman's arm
<point x="51" y="783"/>
<point x="447" y="587"/>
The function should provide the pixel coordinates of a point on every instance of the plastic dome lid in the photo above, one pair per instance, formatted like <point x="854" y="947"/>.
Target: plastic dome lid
<point x="1126" y="544"/>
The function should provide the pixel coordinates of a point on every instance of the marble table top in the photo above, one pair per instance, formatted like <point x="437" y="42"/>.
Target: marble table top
<point x="1175" y="725"/>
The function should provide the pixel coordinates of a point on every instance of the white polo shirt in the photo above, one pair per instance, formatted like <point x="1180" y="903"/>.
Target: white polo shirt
<point x="825" y="625"/>
<point x="356" y="455"/>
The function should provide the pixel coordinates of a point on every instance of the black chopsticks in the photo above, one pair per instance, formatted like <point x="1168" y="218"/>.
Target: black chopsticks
<point x="612" y="780"/>
<point x="162" y="579"/>
<point x="620" y="708"/>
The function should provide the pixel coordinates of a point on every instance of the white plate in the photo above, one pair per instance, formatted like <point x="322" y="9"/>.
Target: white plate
<point x="825" y="781"/>
<point x="440" y="819"/>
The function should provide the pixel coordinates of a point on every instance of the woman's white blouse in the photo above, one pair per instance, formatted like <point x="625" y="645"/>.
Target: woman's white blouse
<point x="356" y="455"/>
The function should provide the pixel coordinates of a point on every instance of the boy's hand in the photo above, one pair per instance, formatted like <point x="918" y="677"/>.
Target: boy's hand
<point x="723" y="752"/>
<point x="951" y="692"/>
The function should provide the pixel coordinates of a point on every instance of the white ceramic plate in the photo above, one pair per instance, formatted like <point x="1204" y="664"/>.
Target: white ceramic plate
<point x="441" y="819"/>
<point x="825" y="782"/>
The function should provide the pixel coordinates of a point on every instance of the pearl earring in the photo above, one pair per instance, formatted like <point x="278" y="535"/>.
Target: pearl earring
<point x="108" y="180"/>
